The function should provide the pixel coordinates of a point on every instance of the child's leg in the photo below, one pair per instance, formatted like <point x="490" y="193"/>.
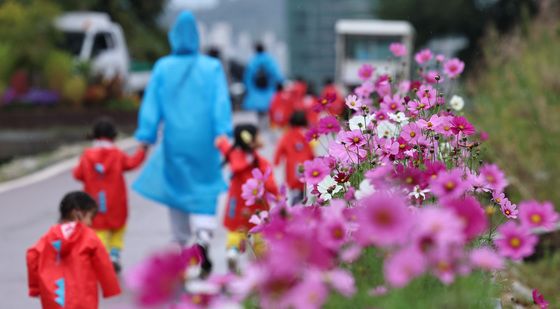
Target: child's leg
<point x="104" y="236"/>
<point x="180" y="226"/>
<point x="258" y="244"/>
<point x="116" y="243"/>
<point x="235" y="244"/>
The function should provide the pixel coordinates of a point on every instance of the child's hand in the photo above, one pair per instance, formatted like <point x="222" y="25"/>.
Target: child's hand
<point x="219" y="140"/>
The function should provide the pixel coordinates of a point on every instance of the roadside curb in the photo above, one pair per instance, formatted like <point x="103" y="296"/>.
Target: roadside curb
<point x="54" y="169"/>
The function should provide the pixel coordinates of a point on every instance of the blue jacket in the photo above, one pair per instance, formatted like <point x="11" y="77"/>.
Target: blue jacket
<point x="188" y="96"/>
<point x="259" y="99"/>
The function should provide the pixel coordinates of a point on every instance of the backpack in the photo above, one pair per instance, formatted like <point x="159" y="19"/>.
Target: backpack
<point x="261" y="78"/>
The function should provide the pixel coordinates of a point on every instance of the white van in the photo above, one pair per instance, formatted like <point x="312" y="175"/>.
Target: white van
<point x="367" y="41"/>
<point x="93" y="37"/>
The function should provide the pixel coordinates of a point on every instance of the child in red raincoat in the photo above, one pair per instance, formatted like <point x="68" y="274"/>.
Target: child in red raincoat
<point x="101" y="169"/>
<point x="242" y="158"/>
<point x="280" y="108"/>
<point x="65" y="266"/>
<point x="295" y="150"/>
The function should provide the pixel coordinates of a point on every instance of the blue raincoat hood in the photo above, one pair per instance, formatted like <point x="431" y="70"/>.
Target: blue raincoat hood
<point x="183" y="37"/>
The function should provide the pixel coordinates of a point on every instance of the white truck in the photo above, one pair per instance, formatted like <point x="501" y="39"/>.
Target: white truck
<point x="367" y="41"/>
<point x="93" y="37"/>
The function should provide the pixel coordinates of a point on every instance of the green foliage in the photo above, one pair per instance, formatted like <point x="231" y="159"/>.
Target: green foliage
<point x="473" y="291"/>
<point x="470" y="18"/>
<point x="74" y="89"/>
<point x="28" y="31"/>
<point x="516" y="100"/>
<point x="57" y="69"/>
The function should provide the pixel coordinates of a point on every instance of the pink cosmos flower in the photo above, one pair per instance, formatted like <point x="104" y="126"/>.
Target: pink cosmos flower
<point x="158" y="278"/>
<point x="384" y="220"/>
<point x="365" y="89"/>
<point x="432" y="124"/>
<point x="403" y="266"/>
<point x="534" y="214"/>
<point x="315" y="170"/>
<point x="366" y="71"/>
<point x="423" y="56"/>
<point x="486" y="258"/>
<point x="453" y="67"/>
<point x="354" y="103"/>
<point x="437" y="227"/>
<point x="508" y="209"/>
<point x="325" y="102"/>
<point x="449" y="184"/>
<point x="433" y="77"/>
<point x="440" y="58"/>
<point x="471" y="213"/>
<point x="345" y="154"/>
<point x="328" y="124"/>
<point x="378" y="290"/>
<point x="332" y="233"/>
<point x="383" y="86"/>
<point x="392" y="104"/>
<point x="493" y="178"/>
<point x="310" y="293"/>
<point x="498" y="197"/>
<point x="352" y="139"/>
<point x="252" y="191"/>
<point x="404" y="87"/>
<point x="515" y="242"/>
<point x="462" y="125"/>
<point x="427" y="92"/>
<point x="342" y="281"/>
<point x="397" y="49"/>
<point x="411" y="133"/>
<point x="539" y="300"/>
<point x="445" y="127"/>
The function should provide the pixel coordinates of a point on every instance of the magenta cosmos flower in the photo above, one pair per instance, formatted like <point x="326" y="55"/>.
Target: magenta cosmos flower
<point x="462" y="125"/>
<point x="397" y="49"/>
<point x="392" y="104"/>
<point x="423" y="56"/>
<point x="534" y="214"/>
<point x="486" y="258"/>
<point x="328" y="124"/>
<point x="432" y="124"/>
<point x="403" y="266"/>
<point x="515" y="242"/>
<point x="453" y="67"/>
<point x="493" y="178"/>
<point x="366" y="71"/>
<point x="324" y="102"/>
<point x="539" y="300"/>
<point x="384" y="220"/>
<point x="449" y="184"/>
<point x="472" y="215"/>
<point x="312" y="134"/>
<point x="315" y="171"/>
<point x="352" y="139"/>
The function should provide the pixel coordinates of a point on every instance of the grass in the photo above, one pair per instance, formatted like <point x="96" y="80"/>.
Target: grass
<point x="473" y="291"/>
<point x="515" y="99"/>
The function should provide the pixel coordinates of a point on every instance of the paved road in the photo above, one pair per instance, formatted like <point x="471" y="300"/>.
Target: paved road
<point x="27" y="212"/>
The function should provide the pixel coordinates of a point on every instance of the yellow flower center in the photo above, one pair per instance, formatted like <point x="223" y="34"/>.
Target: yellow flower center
<point x="197" y="299"/>
<point x="255" y="191"/>
<point x="461" y="127"/>
<point x="315" y="173"/>
<point x="422" y="105"/>
<point x="430" y="124"/>
<point x="324" y="101"/>
<point x="536" y="218"/>
<point x="383" y="218"/>
<point x="515" y="242"/>
<point x="507" y="212"/>
<point x="450" y="185"/>
<point x="412" y="134"/>
<point x="337" y="233"/>
<point x="356" y="140"/>
<point x="446" y="128"/>
<point x="393" y="106"/>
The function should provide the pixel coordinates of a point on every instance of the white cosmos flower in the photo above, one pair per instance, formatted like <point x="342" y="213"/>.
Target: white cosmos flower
<point x="385" y="128"/>
<point x="360" y="122"/>
<point x="417" y="192"/>
<point x="328" y="187"/>
<point x="366" y="189"/>
<point x="399" y="118"/>
<point x="457" y="103"/>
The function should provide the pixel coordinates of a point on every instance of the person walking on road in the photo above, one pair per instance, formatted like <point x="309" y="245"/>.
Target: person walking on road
<point x="261" y="78"/>
<point x="68" y="264"/>
<point x="188" y="98"/>
<point x="101" y="169"/>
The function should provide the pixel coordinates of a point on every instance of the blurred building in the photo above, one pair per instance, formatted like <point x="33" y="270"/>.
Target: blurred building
<point x="311" y="36"/>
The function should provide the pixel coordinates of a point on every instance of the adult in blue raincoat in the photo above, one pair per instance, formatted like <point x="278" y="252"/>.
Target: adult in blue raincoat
<point x="261" y="78"/>
<point x="188" y="98"/>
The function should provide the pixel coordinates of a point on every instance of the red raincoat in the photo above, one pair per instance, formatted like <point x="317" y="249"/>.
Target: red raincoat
<point x="64" y="271"/>
<point x="101" y="170"/>
<point x="281" y="109"/>
<point x="237" y="213"/>
<point x="294" y="148"/>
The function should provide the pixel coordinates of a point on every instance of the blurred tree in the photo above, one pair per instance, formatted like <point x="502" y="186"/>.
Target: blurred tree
<point x="469" y="18"/>
<point x="139" y="19"/>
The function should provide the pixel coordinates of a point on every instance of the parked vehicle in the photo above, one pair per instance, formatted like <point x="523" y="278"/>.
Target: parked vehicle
<point x="92" y="37"/>
<point x="367" y="41"/>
